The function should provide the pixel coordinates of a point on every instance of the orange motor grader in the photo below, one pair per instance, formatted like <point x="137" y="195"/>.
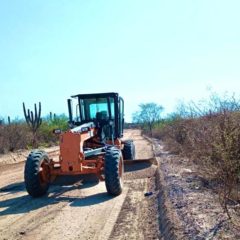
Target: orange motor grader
<point x="92" y="145"/>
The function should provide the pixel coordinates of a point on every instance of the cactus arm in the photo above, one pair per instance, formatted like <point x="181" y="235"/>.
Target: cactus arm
<point x="35" y="115"/>
<point x="39" y="119"/>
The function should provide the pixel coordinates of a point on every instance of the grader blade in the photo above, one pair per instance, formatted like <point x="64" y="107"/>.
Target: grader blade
<point x="139" y="161"/>
<point x="140" y="164"/>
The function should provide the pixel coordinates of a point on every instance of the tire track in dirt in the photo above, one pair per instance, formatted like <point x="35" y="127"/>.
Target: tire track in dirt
<point x="138" y="218"/>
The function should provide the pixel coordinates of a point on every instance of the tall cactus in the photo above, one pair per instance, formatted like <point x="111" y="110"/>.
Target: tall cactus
<point x="33" y="120"/>
<point x="52" y="116"/>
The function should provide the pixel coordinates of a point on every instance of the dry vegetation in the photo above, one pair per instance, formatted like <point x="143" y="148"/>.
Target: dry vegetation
<point x="18" y="135"/>
<point x="208" y="133"/>
<point x="14" y="136"/>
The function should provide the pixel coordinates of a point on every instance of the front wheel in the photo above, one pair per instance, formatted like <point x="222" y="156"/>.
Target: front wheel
<point x="37" y="173"/>
<point x="114" y="171"/>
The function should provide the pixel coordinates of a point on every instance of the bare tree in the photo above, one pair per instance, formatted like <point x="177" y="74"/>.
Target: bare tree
<point x="148" y="115"/>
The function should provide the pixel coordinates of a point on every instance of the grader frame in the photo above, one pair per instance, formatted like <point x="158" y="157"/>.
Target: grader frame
<point x="92" y="145"/>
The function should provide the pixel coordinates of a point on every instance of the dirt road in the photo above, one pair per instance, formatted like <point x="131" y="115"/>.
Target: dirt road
<point x="81" y="209"/>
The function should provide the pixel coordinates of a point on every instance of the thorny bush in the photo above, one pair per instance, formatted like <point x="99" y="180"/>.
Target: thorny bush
<point x="17" y="135"/>
<point x="211" y="138"/>
<point x="13" y="137"/>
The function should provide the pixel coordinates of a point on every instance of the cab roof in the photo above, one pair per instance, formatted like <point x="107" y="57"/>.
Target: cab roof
<point x="95" y="95"/>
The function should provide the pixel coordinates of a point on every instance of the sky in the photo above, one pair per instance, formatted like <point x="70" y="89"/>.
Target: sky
<point x="158" y="51"/>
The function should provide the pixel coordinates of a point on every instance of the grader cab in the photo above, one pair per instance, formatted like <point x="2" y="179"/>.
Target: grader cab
<point x="92" y="145"/>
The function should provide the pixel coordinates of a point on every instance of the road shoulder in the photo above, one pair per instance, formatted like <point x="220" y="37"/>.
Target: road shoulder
<point x="188" y="206"/>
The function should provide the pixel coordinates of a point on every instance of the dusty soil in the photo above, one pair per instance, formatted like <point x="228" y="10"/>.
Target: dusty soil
<point x="80" y="208"/>
<point x="182" y="204"/>
<point x="138" y="218"/>
<point x="191" y="201"/>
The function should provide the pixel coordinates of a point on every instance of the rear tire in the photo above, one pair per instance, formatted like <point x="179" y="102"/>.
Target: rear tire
<point x="37" y="173"/>
<point x="114" y="171"/>
<point x="129" y="150"/>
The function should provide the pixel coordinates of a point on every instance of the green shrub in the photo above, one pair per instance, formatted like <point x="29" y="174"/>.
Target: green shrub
<point x="45" y="133"/>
